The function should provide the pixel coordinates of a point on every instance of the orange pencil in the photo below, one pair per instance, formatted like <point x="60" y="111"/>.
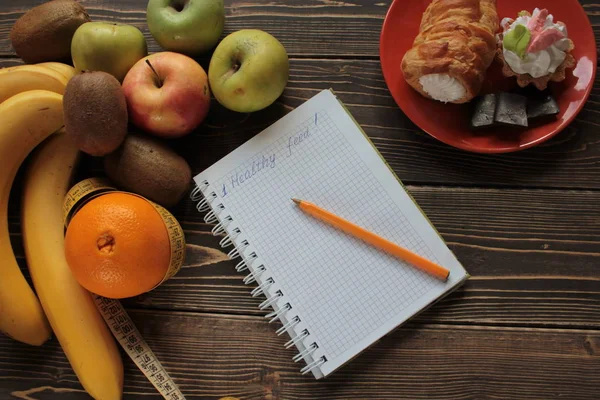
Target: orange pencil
<point x="373" y="239"/>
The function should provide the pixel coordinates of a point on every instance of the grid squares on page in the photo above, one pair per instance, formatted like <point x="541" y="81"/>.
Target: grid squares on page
<point x="341" y="287"/>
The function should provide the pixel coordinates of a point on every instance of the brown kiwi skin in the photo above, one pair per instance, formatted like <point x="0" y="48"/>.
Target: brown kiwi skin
<point x="95" y="112"/>
<point x="44" y="33"/>
<point x="150" y="168"/>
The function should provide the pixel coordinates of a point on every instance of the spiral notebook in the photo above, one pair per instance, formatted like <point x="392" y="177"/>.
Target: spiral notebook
<point x="333" y="294"/>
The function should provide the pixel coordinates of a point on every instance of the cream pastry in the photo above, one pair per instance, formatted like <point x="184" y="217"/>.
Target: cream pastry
<point x="535" y="49"/>
<point x="453" y="50"/>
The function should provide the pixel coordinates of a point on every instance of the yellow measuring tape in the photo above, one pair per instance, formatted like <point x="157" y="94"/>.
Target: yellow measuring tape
<point x="136" y="347"/>
<point x="119" y="323"/>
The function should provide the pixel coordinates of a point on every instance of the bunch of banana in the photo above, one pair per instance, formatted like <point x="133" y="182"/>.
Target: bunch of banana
<point x="27" y="119"/>
<point x="75" y="320"/>
<point x="30" y="110"/>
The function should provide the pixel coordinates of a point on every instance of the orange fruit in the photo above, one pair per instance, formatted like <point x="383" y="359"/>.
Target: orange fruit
<point x="117" y="245"/>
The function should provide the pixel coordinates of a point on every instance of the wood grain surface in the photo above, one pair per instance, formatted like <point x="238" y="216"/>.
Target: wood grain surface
<point x="525" y="225"/>
<point x="210" y="356"/>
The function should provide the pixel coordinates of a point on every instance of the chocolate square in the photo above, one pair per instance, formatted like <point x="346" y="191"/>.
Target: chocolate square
<point x="511" y="110"/>
<point x="484" y="111"/>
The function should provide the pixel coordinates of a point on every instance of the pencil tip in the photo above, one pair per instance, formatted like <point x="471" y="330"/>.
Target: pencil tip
<point x="296" y="200"/>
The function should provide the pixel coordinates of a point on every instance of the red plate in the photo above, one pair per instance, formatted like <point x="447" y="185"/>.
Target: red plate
<point x="449" y="123"/>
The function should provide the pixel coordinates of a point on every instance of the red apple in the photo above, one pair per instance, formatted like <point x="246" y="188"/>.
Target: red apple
<point x="167" y="94"/>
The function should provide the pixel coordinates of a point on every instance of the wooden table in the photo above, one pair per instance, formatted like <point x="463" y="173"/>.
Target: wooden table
<point x="525" y="225"/>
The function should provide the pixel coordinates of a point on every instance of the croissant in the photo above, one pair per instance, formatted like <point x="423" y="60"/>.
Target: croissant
<point x="455" y="46"/>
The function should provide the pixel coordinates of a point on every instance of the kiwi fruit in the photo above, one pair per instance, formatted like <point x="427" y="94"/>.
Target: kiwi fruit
<point x="44" y="33"/>
<point x="150" y="168"/>
<point x="95" y="112"/>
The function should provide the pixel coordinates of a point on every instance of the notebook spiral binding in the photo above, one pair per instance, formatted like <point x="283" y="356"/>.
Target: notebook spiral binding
<point x="267" y="286"/>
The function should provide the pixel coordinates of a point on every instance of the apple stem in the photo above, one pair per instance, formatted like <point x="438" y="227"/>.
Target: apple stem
<point x="155" y="73"/>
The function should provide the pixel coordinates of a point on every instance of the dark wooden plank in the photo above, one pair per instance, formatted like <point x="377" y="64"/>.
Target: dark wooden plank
<point x="414" y="362"/>
<point x="533" y="256"/>
<point x="328" y="27"/>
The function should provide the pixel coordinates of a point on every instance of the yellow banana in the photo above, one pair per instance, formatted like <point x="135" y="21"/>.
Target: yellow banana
<point x="75" y="320"/>
<point x="30" y="77"/>
<point x="26" y="120"/>
<point x="66" y="70"/>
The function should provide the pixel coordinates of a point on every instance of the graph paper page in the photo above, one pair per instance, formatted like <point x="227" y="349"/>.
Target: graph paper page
<point x="347" y="293"/>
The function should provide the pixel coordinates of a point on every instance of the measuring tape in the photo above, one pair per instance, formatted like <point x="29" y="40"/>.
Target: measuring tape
<point x="133" y="343"/>
<point x="176" y="240"/>
<point x="119" y="323"/>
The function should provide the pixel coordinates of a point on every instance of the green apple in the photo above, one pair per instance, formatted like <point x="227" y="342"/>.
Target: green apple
<point x="248" y="70"/>
<point x="190" y="27"/>
<point x="109" y="47"/>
